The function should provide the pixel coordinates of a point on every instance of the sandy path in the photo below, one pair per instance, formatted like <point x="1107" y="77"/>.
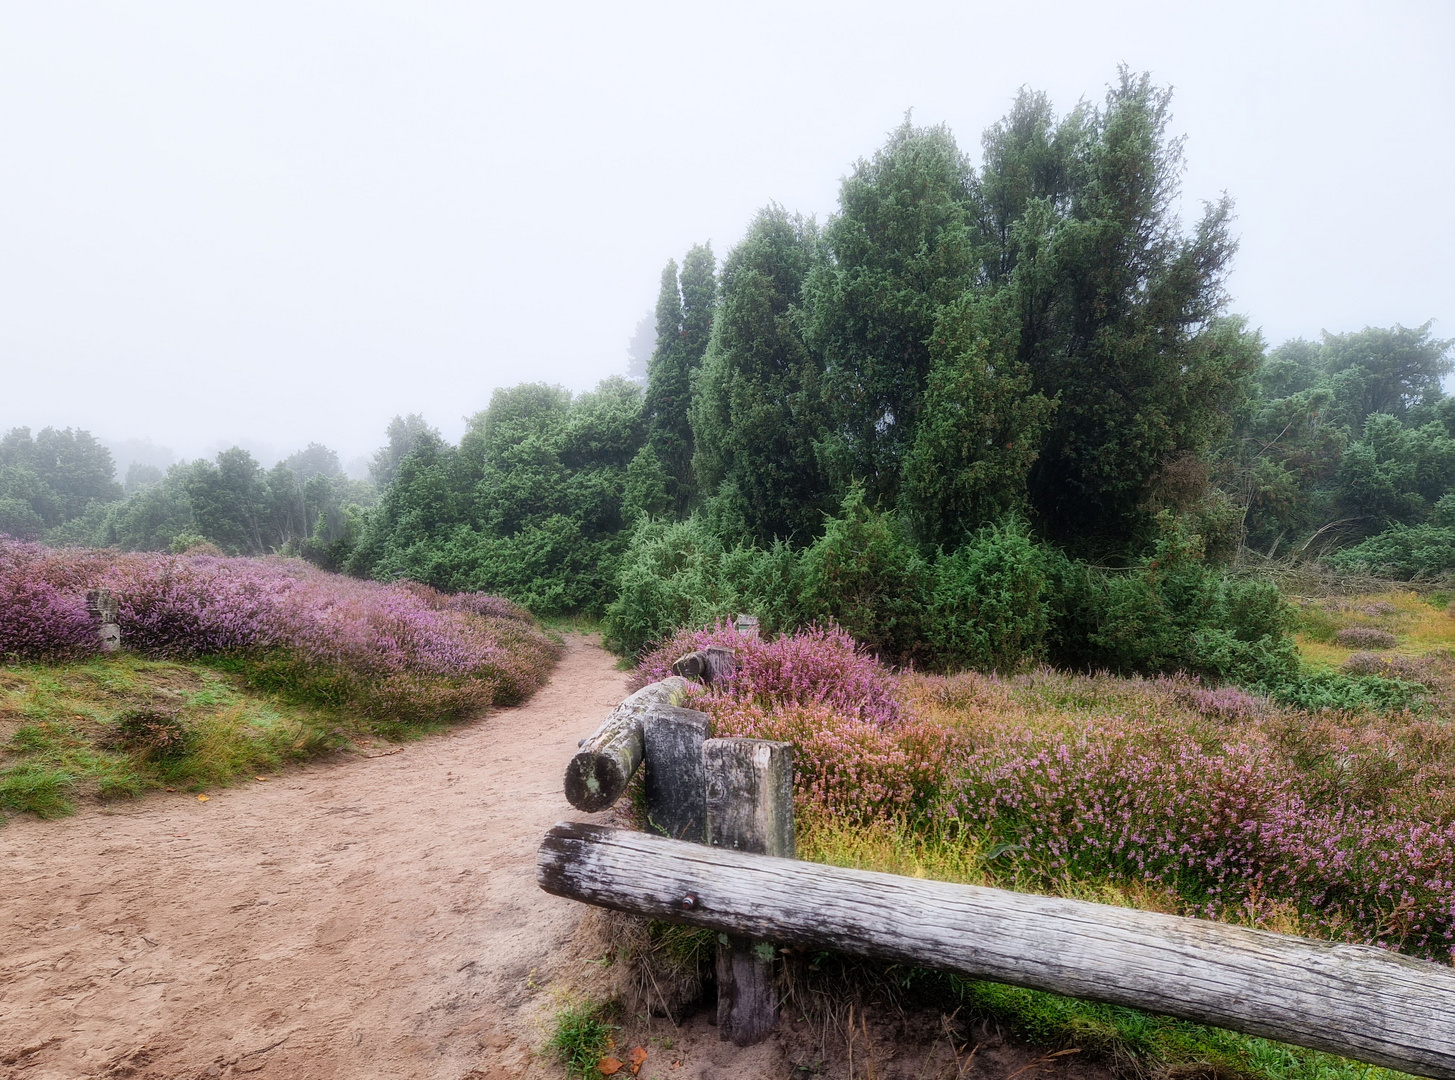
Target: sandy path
<point x="363" y="917"/>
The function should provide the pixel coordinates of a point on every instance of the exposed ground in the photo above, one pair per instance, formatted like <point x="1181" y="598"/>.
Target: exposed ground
<point x="372" y="915"/>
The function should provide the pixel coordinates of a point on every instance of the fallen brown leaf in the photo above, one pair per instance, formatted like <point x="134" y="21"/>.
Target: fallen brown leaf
<point x="638" y="1055"/>
<point x="202" y="798"/>
<point x="608" y="1066"/>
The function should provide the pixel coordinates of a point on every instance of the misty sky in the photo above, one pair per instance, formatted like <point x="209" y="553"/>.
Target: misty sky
<point x="274" y="223"/>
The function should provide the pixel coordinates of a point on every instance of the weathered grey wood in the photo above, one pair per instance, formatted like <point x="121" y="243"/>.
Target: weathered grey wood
<point x="747" y="625"/>
<point x="750" y="795"/>
<point x="706" y="665"/>
<point x="749" y="808"/>
<point x="676" y="785"/>
<point x="601" y="769"/>
<point x="1360" y="1002"/>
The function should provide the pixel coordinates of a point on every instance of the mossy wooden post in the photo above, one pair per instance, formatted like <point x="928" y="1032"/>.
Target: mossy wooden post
<point x="601" y="770"/>
<point x="749" y="809"/>
<point x="103" y="607"/>
<point x="675" y="781"/>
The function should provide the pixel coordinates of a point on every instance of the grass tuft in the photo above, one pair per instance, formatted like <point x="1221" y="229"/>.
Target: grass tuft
<point x="582" y="1036"/>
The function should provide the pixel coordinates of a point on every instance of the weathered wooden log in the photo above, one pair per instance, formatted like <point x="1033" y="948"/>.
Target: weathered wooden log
<point x="1352" y="1000"/>
<point x="676" y="785"/>
<point x="601" y="769"/>
<point x="749" y="808"/>
<point x="706" y="665"/>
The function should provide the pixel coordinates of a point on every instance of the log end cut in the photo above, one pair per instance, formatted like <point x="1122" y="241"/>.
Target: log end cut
<point x="594" y="781"/>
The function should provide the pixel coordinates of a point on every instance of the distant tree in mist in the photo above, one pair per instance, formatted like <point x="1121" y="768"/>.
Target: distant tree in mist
<point x="684" y="324"/>
<point x="52" y="478"/>
<point x="403" y="432"/>
<point x="639" y="349"/>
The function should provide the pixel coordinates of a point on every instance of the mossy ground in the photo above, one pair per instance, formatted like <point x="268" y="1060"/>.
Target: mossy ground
<point x="58" y="731"/>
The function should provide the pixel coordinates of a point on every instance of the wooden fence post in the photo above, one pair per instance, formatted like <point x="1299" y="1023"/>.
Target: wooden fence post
<point x="103" y="607"/>
<point x="749" y="809"/>
<point x="676" y="782"/>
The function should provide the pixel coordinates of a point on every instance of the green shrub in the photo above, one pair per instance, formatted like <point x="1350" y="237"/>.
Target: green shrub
<point x="1403" y="552"/>
<point x="670" y="578"/>
<point x="1337" y="690"/>
<point x="988" y="601"/>
<point x="38" y="788"/>
<point x="866" y="575"/>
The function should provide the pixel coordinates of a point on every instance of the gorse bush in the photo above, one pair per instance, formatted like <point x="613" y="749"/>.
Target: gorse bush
<point x="400" y="652"/>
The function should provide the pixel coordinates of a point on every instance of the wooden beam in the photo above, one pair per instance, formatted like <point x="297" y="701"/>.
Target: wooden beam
<point x="1360" y="1002"/>
<point x="601" y="769"/>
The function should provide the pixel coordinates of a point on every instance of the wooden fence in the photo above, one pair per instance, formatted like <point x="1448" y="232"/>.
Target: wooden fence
<point x="725" y="862"/>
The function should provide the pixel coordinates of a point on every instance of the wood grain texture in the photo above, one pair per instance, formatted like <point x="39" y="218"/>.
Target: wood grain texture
<point x="601" y="769"/>
<point x="1352" y="1000"/>
<point x="749" y="808"/>
<point x="676" y="785"/>
<point x="750" y="795"/>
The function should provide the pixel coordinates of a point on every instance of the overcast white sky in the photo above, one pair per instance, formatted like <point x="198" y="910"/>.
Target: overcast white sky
<point x="278" y="222"/>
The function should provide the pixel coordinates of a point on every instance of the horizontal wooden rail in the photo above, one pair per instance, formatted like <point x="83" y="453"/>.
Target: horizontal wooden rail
<point x="1352" y="1000"/>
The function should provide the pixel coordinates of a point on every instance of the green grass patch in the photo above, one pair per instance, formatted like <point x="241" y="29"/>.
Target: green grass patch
<point x="582" y="1034"/>
<point x="117" y="727"/>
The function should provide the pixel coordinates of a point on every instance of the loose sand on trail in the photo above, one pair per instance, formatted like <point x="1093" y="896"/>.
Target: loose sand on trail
<point x="367" y="916"/>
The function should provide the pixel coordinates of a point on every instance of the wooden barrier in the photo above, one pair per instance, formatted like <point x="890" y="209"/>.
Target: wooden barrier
<point x="1352" y="1000"/>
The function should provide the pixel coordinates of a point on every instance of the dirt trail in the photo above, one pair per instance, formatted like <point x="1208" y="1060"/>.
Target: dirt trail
<point x="363" y="917"/>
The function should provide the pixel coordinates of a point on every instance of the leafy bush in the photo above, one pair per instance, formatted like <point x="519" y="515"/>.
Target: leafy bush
<point x="1336" y="690"/>
<point x="866" y="575"/>
<point x="1403" y="552"/>
<point x="988" y="601"/>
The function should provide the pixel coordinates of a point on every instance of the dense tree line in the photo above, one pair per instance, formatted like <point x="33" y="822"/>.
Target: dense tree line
<point x="978" y="416"/>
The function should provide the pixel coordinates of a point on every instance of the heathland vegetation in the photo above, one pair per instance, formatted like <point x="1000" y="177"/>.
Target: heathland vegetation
<point x="231" y="666"/>
<point x="1014" y="494"/>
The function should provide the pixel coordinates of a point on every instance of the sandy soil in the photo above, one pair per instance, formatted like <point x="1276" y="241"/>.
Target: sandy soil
<point x="368" y="916"/>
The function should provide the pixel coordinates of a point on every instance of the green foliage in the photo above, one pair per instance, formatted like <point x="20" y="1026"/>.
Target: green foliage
<point x="1403" y="552"/>
<point x="1394" y="474"/>
<point x="1170" y="611"/>
<point x="51" y="478"/>
<point x="988" y="601"/>
<point x="1336" y="690"/>
<point x="902" y="246"/>
<point x="757" y="409"/>
<point x="581" y="1037"/>
<point x="684" y="324"/>
<point x="981" y="427"/>
<point x="866" y="575"/>
<point x="672" y="577"/>
<point x="533" y="504"/>
<point x="1122" y="314"/>
<point x="402" y="435"/>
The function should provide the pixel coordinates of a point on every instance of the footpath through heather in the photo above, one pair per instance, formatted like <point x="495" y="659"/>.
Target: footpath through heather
<point x="374" y="915"/>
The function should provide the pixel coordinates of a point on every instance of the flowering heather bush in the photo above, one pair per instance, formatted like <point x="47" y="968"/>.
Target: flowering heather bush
<point x="39" y="619"/>
<point x="401" y="652"/>
<point x="817" y="666"/>
<point x="1365" y="637"/>
<point x="1242" y="808"/>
